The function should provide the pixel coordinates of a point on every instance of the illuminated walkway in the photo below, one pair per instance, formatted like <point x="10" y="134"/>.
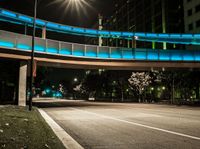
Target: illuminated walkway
<point x="13" y="17"/>
<point x="22" y="42"/>
<point x="52" y="47"/>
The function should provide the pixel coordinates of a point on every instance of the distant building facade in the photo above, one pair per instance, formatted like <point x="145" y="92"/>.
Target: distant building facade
<point x="192" y="18"/>
<point x="98" y="26"/>
<point x="157" y="16"/>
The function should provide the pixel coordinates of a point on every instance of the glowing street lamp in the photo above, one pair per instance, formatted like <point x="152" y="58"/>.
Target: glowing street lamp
<point x="75" y="80"/>
<point x="74" y="4"/>
<point x="32" y="57"/>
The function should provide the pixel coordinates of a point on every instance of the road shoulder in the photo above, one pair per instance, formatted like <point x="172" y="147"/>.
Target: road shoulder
<point x="65" y="138"/>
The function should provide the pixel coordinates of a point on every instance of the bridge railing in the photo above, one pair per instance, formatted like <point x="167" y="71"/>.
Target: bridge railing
<point x="23" y="42"/>
<point x="173" y="38"/>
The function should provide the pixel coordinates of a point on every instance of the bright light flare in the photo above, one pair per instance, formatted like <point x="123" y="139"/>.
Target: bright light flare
<point x="136" y="37"/>
<point x="79" y="6"/>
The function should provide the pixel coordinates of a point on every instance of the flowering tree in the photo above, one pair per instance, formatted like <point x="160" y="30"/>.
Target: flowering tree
<point x="79" y="88"/>
<point x="61" y="88"/>
<point x="139" y="81"/>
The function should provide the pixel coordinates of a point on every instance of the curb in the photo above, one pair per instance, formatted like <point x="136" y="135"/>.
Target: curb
<point x="64" y="137"/>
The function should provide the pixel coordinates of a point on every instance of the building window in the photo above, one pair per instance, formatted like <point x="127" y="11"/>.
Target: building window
<point x="197" y="8"/>
<point x="198" y="24"/>
<point x="190" y="27"/>
<point x="189" y="12"/>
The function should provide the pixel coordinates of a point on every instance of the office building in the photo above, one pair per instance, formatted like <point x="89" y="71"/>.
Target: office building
<point x="157" y="16"/>
<point x="192" y="18"/>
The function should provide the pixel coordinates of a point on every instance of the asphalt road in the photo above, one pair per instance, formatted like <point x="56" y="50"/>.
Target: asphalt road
<point x="127" y="126"/>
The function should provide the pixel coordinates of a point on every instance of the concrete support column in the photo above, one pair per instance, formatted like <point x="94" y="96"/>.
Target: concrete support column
<point x="164" y="23"/>
<point x="25" y="29"/>
<point x="100" y="28"/>
<point x="22" y="84"/>
<point x="134" y="43"/>
<point x="44" y="33"/>
<point x="153" y="21"/>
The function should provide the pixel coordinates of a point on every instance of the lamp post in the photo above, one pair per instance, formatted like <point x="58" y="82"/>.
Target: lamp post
<point x="32" y="57"/>
<point x="72" y="3"/>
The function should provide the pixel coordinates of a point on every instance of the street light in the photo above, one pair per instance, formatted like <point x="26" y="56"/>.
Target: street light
<point x="163" y="88"/>
<point x="136" y="37"/>
<point x="75" y="79"/>
<point x="74" y="4"/>
<point x="32" y="57"/>
<point x="70" y="3"/>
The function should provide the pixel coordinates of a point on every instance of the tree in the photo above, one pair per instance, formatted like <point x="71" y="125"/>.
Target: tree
<point x="180" y="84"/>
<point x="61" y="88"/>
<point x="78" y="88"/>
<point x="92" y="84"/>
<point x="139" y="81"/>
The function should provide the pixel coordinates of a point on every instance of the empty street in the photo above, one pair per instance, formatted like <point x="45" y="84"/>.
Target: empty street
<point x="126" y="125"/>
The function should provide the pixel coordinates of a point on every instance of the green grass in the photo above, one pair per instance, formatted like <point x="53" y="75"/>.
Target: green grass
<point x="21" y="129"/>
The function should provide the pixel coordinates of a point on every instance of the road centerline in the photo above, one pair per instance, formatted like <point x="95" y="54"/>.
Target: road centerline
<point x="141" y="125"/>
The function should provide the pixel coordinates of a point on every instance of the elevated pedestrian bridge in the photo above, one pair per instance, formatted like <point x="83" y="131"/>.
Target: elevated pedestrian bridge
<point x="17" y="18"/>
<point x="65" y="54"/>
<point x="76" y="55"/>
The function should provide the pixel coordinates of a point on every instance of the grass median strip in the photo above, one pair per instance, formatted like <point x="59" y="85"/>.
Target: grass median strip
<point x="20" y="128"/>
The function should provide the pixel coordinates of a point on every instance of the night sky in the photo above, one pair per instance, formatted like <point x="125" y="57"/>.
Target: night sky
<point x="55" y="12"/>
<point x="85" y="17"/>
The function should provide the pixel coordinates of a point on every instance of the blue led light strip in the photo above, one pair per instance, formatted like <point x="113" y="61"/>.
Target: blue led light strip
<point x="8" y="13"/>
<point x="25" y="18"/>
<point x="91" y="51"/>
<point x="12" y="17"/>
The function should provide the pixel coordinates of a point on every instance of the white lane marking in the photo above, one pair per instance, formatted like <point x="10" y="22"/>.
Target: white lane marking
<point x="144" y="115"/>
<point x="141" y="125"/>
<point x="64" y="137"/>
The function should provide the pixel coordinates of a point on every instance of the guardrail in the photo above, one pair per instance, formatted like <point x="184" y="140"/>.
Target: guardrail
<point x="47" y="46"/>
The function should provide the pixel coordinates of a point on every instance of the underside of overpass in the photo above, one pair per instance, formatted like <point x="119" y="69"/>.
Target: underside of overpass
<point x="89" y="63"/>
<point x="22" y="58"/>
<point x="9" y="81"/>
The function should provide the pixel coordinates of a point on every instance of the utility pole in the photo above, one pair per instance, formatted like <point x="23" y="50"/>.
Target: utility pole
<point x="128" y="23"/>
<point x="164" y="22"/>
<point x="172" y="89"/>
<point x="32" y="57"/>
